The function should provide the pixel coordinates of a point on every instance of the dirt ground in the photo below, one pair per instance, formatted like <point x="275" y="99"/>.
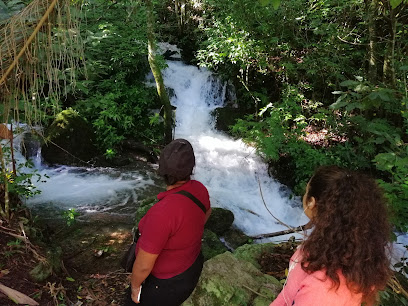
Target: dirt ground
<point x="91" y="272"/>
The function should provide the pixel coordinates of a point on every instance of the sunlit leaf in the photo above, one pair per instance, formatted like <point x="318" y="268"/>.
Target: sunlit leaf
<point x="395" y="3"/>
<point x="275" y="4"/>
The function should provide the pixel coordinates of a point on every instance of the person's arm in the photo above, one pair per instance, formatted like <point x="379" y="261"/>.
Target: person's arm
<point x="142" y="267"/>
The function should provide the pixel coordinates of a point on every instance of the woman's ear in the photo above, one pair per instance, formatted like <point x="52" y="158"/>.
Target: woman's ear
<point x="311" y="203"/>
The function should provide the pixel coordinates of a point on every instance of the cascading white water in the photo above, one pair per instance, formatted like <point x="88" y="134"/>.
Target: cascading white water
<point x="232" y="172"/>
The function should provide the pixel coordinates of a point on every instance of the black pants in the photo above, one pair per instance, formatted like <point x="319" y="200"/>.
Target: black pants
<point x="169" y="292"/>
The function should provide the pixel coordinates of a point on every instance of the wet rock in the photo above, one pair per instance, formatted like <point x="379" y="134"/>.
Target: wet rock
<point x="220" y="220"/>
<point x="235" y="238"/>
<point x="30" y="145"/>
<point x="211" y="245"/>
<point x="69" y="140"/>
<point x="283" y="170"/>
<point x="227" y="280"/>
<point x="227" y="116"/>
<point x="138" y="149"/>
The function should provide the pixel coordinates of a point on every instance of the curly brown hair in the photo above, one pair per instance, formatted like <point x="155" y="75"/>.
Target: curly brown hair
<point x="351" y="231"/>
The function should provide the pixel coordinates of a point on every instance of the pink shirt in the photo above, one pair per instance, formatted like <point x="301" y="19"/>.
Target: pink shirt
<point x="315" y="289"/>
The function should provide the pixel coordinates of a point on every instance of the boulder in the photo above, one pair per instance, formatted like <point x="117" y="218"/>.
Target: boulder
<point x="252" y="252"/>
<point x="69" y="140"/>
<point x="211" y="245"/>
<point x="220" y="220"/>
<point x="235" y="238"/>
<point x="227" y="116"/>
<point x="227" y="280"/>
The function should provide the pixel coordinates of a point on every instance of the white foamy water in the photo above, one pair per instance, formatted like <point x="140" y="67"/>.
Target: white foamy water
<point x="89" y="189"/>
<point x="227" y="167"/>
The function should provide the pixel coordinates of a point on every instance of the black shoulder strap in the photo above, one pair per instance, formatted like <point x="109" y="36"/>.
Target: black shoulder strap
<point x="192" y="198"/>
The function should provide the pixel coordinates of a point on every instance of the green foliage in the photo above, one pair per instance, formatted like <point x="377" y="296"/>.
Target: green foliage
<point x="21" y="184"/>
<point x="70" y="216"/>
<point x="114" y="97"/>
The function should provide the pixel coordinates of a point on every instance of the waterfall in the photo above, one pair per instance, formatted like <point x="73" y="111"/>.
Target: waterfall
<point x="232" y="171"/>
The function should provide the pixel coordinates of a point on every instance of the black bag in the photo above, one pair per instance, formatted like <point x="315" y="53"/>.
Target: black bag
<point x="130" y="256"/>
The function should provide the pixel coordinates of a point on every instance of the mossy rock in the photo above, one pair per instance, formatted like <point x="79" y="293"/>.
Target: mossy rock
<point x="211" y="245"/>
<point x="234" y="238"/>
<point x="252" y="252"/>
<point x="227" y="280"/>
<point x="220" y="220"/>
<point x="69" y="140"/>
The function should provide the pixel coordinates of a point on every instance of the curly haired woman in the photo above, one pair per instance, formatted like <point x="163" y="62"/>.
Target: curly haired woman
<point x="344" y="260"/>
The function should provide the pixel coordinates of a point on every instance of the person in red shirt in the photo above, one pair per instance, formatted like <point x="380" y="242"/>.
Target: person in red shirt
<point x="343" y="262"/>
<point x="168" y="252"/>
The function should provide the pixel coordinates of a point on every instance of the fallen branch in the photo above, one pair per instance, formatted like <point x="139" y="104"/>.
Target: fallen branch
<point x="27" y="242"/>
<point x="263" y="200"/>
<point x="285" y="232"/>
<point x="17" y="296"/>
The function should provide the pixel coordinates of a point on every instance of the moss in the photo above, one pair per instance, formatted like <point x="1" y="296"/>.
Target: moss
<point x="211" y="245"/>
<point x="226" y="280"/>
<point x="69" y="140"/>
<point x="252" y="252"/>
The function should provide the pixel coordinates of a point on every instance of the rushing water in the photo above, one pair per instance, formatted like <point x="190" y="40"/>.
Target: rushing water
<point x="232" y="172"/>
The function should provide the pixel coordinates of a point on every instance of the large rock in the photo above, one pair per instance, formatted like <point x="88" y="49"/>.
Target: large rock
<point x="252" y="252"/>
<point x="235" y="238"/>
<point x="211" y="245"/>
<point x="69" y="140"/>
<point x="227" y="280"/>
<point x="220" y="220"/>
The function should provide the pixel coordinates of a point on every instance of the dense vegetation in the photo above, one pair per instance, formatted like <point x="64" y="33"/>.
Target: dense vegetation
<point x="321" y="81"/>
<point x="325" y="83"/>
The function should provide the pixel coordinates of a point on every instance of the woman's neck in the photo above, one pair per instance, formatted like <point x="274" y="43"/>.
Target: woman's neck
<point x="177" y="184"/>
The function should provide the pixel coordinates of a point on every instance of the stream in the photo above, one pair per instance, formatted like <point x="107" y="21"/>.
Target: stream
<point x="233" y="173"/>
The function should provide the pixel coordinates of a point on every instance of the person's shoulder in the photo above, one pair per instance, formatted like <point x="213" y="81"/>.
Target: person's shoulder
<point x="197" y="185"/>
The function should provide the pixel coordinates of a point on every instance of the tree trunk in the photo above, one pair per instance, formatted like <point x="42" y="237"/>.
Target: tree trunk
<point x="6" y="212"/>
<point x="388" y="68"/>
<point x="161" y="90"/>
<point x="183" y="15"/>
<point x="371" y="11"/>
<point x="178" y="16"/>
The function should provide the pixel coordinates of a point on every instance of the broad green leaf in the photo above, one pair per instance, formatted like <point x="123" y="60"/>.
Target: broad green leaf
<point x="384" y="96"/>
<point x="373" y="95"/>
<point x="275" y="4"/>
<point x="395" y="3"/>
<point x="349" y="83"/>
<point x="264" y="2"/>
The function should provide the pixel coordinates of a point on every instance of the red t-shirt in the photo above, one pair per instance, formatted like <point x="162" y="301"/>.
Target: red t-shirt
<point x="173" y="228"/>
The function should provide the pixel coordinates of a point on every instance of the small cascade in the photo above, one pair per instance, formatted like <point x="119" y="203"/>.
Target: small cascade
<point x="232" y="172"/>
